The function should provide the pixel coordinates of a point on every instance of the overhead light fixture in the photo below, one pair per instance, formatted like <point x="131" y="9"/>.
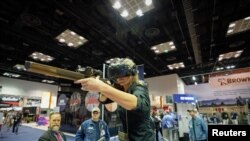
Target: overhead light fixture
<point x="239" y="26"/>
<point x="219" y="68"/>
<point x="229" y="55"/>
<point x="230" y="67"/>
<point x="139" y="12"/>
<point x="193" y="78"/>
<point x="124" y="13"/>
<point x="148" y="2"/>
<point x="176" y="66"/>
<point x="71" y="39"/>
<point x="164" y="47"/>
<point x="117" y="5"/>
<point x="41" y="57"/>
<point x="19" y="67"/>
<point x="48" y="81"/>
<point x="11" y="75"/>
<point x="133" y="7"/>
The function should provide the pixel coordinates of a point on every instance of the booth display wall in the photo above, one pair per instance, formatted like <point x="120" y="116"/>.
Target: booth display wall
<point x="165" y="85"/>
<point x="162" y="86"/>
<point x="183" y="102"/>
<point x="233" y="97"/>
<point x="18" y="87"/>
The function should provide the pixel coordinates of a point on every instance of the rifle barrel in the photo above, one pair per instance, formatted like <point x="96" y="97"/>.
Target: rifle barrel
<point x="53" y="71"/>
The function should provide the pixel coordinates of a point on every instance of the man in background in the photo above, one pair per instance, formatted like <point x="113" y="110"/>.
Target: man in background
<point x="225" y="117"/>
<point x="93" y="129"/>
<point x="197" y="127"/>
<point x="234" y="118"/>
<point x="168" y="124"/>
<point x="53" y="133"/>
<point x="17" y="121"/>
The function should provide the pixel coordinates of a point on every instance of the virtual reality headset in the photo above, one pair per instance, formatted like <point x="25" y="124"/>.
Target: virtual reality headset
<point x="121" y="70"/>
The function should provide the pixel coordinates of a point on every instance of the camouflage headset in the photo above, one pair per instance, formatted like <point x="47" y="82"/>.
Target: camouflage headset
<point x="120" y="69"/>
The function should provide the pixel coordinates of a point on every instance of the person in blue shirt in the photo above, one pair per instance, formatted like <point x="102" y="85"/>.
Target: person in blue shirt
<point x="197" y="127"/>
<point x="93" y="129"/>
<point x="168" y="123"/>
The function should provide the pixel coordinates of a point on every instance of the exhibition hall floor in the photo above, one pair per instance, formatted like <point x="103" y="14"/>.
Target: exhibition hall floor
<point x="31" y="132"/>
<point x="27" y="132"/>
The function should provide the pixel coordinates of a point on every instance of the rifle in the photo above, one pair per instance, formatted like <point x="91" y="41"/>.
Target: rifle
<point x="66" y="74"/>
<point x="61" y="73"/>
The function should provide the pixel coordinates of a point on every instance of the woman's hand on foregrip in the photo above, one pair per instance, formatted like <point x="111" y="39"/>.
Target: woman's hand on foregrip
<point x="91" y="84"/>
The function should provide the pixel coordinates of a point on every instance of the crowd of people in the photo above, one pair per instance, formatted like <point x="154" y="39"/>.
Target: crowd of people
<point x="11" y="119"/>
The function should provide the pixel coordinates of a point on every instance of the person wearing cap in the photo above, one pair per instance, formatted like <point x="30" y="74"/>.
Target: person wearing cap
<point x="197" y="127"/>
<point x="93" y="129"/>
<point x="130" y="93"/>
<point x="53" y="133"/>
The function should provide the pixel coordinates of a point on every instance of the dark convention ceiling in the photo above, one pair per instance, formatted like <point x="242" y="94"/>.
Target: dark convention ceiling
<point x="202" y="36"/>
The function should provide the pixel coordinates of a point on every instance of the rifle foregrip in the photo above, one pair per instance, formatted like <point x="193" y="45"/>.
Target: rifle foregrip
<point x="52" y="71"/>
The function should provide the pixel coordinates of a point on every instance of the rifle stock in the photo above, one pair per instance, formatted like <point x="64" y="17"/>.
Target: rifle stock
<point x="53" y="71"/>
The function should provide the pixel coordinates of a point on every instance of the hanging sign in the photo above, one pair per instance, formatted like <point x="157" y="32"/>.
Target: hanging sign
<point x="240" y="79"/>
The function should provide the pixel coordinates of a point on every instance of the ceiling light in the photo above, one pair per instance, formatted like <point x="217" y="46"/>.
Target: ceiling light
<point x="80" y="43"/>
<point x="219" y="68"/>
<point x="19" y="67"/>
<point x="72" y="33"/>
<point x="48" y="81"/>
<point x="238" y="26"/>
<point x="139" y="12"/>
<point x="230" y="55"/>
<point x="232" y="25"/>
<point x="247" y="18"/>
<point x="148" y="2"/>
<point x="157" y="51"/>
<point x="61" y="40"/>
<point x="230" y="31"/>
<point x="11" y="75"/>
<point x="41" y="57"/>
<point x="132" y="7"/>
<point x="193" y="78"/>
<point x="171" y="43"/>
<point x="70" y="44"/>
<point x="154" y="48"/>
<point x="124" y="13"/>
<point x="117" y="5"/>
<point x="176" y="66"/>
<point x="71" y="38"/>
<point x="172" y="47"/>
<point x="163" y="47"/>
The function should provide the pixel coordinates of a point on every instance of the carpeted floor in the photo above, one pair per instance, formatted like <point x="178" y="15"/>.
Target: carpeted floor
<point x="25" y="134"/>
<point x="29" y="133"/>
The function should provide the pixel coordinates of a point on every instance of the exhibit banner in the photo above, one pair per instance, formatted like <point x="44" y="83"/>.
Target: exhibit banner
<point x="9" y="100"/>
<point x="184" y="98"/>
<point x="210" y="96"/>
<point x="91" y="100"/>
<point x="242" y="79"/>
